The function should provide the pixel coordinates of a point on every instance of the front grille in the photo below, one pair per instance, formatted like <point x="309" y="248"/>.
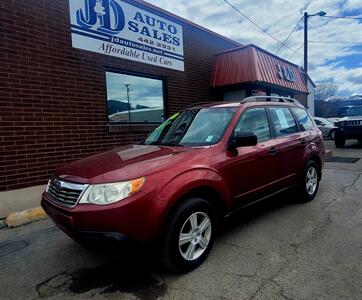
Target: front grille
<point x="64" y="192"/>
<point x="352" y="123"/>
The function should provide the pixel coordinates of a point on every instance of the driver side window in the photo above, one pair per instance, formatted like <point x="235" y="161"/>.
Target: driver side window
<point x="254" y="120"/>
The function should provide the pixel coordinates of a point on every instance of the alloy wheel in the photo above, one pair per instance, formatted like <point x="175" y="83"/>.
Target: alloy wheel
<point x="195" y="236"/>
<point x="311" y="180"/>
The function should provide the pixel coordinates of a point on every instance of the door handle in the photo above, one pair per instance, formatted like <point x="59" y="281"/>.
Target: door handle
<point x="303" y="141"/>
<point x="273" y="150"/>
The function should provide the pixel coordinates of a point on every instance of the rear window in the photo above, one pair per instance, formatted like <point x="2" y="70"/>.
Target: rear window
<point x="283" y="121"/>
<point x="304" y="119"/>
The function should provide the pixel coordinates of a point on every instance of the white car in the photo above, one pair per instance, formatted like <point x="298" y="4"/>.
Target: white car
<point x="333" y="120"/>
<point x="327" y="127"/>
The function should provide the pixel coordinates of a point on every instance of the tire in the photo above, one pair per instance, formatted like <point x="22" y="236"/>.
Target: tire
<point x="311" y="175"/>
<point x="360" y="141"/>
<point x="174" y="256"/>
<point x="339" y="141"/>
<point x="332" y="134"/>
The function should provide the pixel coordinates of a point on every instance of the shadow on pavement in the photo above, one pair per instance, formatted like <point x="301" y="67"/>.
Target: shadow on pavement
<point x="134" y="268"/>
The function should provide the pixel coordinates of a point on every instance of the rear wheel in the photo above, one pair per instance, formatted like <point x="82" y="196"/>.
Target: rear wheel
<point x="310" y="184"/>
<point x="189" y="236"/>
<point x="339" y="141"/>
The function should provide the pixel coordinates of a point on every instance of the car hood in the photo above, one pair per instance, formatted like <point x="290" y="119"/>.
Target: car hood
<point x="124" y="163"/>
<point x="354" y="118"/>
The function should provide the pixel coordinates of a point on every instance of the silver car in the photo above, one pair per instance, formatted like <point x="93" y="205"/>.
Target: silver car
<point x="326" y="126"/>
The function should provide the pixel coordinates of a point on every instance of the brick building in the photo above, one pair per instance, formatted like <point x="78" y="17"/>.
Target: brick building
<point x="79" y="77"/>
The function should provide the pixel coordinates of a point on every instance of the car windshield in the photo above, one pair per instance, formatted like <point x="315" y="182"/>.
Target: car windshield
<point x="327" y="122"/>
<point x="354" y="111"/>
<point x="193" y="127"/>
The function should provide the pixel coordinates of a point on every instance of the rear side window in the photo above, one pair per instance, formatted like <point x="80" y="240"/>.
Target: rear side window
<point x="303" y="118"/>
<point x="282" y="120"/>
<point x="255" y="120"/>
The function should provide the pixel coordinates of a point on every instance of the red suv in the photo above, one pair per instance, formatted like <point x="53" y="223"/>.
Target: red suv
<point x="199" y="166"/>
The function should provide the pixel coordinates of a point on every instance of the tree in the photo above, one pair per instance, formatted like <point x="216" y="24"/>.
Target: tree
<point x="325" y="90"/>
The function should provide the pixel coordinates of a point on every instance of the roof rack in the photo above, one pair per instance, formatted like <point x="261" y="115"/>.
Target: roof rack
<point x="198" y="103"/>
<point x="270" y="99"/>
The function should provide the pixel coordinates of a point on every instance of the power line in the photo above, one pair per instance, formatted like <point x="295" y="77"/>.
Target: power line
<point x="342" y="17"/>
<point x="292" y="8"/>
<point x="296" y="51"/>
<point x="250" y="20"/>
<point x="334" y="42"/>
<point x="295" y="27"/>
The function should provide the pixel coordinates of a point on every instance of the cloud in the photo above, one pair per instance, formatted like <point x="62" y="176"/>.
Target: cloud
<point x="278" y="17"/>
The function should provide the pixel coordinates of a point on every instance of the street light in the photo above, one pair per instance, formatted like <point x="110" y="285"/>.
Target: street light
<point x="306" y="16"/>
<point x="129" y="105"/>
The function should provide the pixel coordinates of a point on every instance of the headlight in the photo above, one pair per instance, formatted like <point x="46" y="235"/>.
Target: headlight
<point x="103" y="194"/>
<point x="47" y="188"/>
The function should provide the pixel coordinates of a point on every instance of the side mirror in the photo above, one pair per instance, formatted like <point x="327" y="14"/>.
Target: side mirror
<point x="243" y="139"/>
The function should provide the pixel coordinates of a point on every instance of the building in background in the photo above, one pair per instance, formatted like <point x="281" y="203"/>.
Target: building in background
<point x="80" y="77"/>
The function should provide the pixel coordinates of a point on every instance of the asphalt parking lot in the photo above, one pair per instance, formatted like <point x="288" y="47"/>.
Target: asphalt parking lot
<point x="277" y="249"/>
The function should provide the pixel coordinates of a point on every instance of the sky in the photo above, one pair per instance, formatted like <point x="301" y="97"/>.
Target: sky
<point x="142" y="91"/>
<point x="341" y="62"/>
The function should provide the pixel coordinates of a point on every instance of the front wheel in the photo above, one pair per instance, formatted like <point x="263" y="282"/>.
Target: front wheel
<point x="189" y="235"/>
<point x="310" y="183"/>
<point x="339" y="141"/>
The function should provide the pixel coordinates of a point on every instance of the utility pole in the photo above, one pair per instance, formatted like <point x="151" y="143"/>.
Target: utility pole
<point x="129" y="105"/>
<point x="306" y="43"/>
<point x="306" y="16"/>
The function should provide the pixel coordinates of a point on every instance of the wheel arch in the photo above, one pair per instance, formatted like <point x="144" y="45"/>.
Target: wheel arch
<point x="318" y="161"/>
<point x="206" y="184"/>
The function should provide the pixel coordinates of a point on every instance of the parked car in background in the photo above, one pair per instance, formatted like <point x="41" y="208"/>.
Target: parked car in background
<point x="327" y="127"/>
<point x="333" y="120"/>
<point x="341" y="112"/>
<point x="349" y="127"/>
<point x="196" y="168"/>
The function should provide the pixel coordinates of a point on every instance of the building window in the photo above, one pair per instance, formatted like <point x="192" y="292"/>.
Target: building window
<point x="134" y="99"/>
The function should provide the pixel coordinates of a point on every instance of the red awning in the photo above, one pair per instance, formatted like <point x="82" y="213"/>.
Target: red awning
<point x="251" y="64"/>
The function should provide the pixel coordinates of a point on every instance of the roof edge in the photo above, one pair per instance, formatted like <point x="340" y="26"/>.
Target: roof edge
<point x="163" y="11"/>
<point x="259" y="48"/>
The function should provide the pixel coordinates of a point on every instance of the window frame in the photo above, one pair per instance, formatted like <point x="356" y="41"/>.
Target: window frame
<point x="299" y="125"/>
<point x="137" y="74"/>
<point x="275" y="136"/>
<point x="243" y="113"/>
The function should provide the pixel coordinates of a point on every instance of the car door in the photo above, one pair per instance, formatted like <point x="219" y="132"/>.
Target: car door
<point x="289" y="141"/>
<point x="250" y="171"/>
<point x="308" y="133"/>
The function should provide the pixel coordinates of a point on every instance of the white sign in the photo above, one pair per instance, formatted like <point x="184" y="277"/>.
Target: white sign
<point x="113" y="27"/>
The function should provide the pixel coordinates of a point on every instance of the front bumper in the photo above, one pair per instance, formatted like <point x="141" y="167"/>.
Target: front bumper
<point x="129" y="218"/>
<point x="350" y="132"/>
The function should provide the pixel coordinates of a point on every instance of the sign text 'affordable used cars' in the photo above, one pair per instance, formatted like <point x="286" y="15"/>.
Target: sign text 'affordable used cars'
<point x="116" y="28"/>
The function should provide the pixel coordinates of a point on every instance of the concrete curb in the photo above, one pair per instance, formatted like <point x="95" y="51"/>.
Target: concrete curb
<point x="24" y="217"/>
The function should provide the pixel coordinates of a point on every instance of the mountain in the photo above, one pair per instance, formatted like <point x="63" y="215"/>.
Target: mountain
<point x="115" y="106"/>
